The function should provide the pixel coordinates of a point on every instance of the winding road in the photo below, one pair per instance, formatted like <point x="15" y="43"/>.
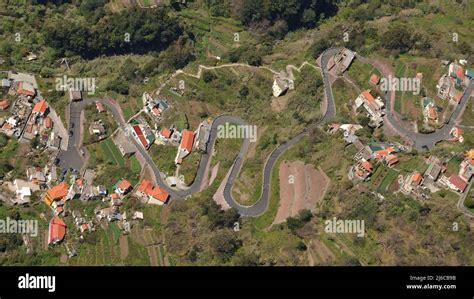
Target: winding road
<point x="72" y="157"/>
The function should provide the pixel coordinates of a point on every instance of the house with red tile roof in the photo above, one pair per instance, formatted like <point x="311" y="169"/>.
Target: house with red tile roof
<point x="374" y="79"/>
<point x="123" y="187"/>
<point x="143" y="135"/>
<point x="457" y="184"/>
<point x="4" y="104"/>
<point x="456" y="132"/>
<point x="186" y="146"/>
<point x="391" y="160"/>
<point x="56" y="193"/>
<point x="457" y="72"/>
<point x="100" y="107"/>
<point x="416" y="179"/>
<point x="48" y="122"/>
<point x="152" y="194"/>
<point x="26" y="89"/>
<point x="373" y="106"/>
<point x="40" y="108"/>
<point x="165" y="133"/>
<point x="363" y="169"/>
<point x="57" y="230"/>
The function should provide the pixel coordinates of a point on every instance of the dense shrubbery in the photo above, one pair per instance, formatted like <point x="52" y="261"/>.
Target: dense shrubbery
<point x="295" y="13"/>
<point x="132" y="31"/>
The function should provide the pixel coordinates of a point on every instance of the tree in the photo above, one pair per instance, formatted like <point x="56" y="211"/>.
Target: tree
<point x="128" y="70"/>
<point x="309" y="18"/>
<point x="220" y="219"/>
<point x="119" y="86"/>
<point x="397" y="38"/>
<point x="255" y="60"/>
<point x="318" y="47"/>
<point x="3" y="140"/>
<point x="469" y="203"/>
<point x="225" y="244"/>
<point x="244" y="91"/>
<point x="246" y="259"/>
<point x="209" y="76"/>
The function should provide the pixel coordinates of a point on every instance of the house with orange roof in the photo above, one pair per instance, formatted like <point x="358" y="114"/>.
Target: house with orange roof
<point x="48" y="122"/>
<point x="56" y="231"/>
<point x="457" y="184"/>
<point x="152" y="194"/>
<point x="123" y="187"/>
<point x="100" y="107"/>
<point x="381" y="154"/>
<point x="165" y="134"/>
<point x="186" y="146"/>
<point x="457" y="72"/>
<point x="40" y="108"/>
<point x="416" y="179"/>
<point x="4" y="104"/>
<point x="143" y="135"/>
<point x="58" y="211"/>
<point x="26" y="89"/>
<point x="469" y="154"/>
<point x="56" y="193"/>
<point x="84" y="227"/>
<point x="456" y="132"/>
<point x="374" y="79"/>
<point x="363" y="169"/>
<point x="391" y="160"/>
<point x="373" y="106"/>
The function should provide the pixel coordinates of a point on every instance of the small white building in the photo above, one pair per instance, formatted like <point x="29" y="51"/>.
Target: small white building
<point x="279" y="87"/>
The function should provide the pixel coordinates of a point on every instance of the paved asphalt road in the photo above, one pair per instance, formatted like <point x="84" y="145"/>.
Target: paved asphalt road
<point x="72" y="157"/>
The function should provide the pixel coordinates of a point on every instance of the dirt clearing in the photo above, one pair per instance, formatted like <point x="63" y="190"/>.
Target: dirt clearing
<point x="301" y="187"/>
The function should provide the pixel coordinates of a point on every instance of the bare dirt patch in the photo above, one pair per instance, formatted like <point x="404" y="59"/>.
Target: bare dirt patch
<point x="279" y="104"/>
<point x="214" y="171"/>
<point x="219" y="195"/>
<point x="253" y="145"/>
<point x="324" y="253"/>
<point x="123" y="241"/>
<point x="301" y="187"/>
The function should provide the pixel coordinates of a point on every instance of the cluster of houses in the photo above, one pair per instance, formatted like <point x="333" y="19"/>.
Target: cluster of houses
<point x="185" y="140"/>
<point x="451" y="86"/>
<point x="418" y="184"/>
<point x="57" y="196"/>
<point x="434" y="178"/>
<point x="374" y="107"/>
<point x="155" y="107"/>
<point x="29" y="113"/>
<point x="367" y="155"/>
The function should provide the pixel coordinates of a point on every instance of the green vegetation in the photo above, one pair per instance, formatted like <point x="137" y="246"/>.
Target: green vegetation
<point x="388" y="179"/>
<point x="112" y="152"/>
<point x="163" y="156"/>
<point x="189" y="167"/>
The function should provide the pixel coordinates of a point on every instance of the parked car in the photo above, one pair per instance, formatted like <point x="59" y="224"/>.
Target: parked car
<point x="71" y="133"/>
